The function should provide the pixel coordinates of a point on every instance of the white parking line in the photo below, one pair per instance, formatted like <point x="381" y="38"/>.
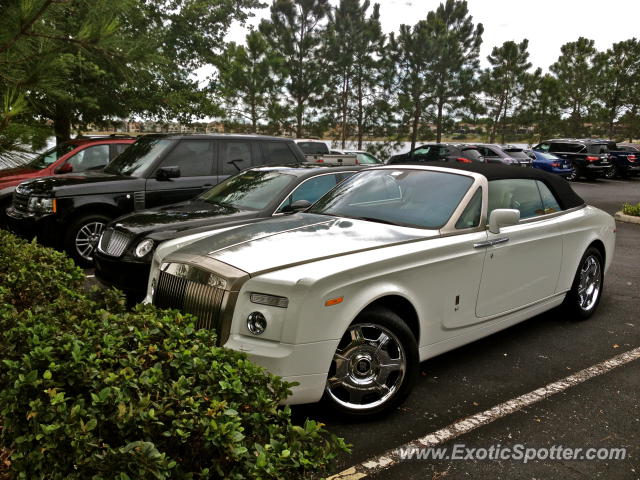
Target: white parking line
<point x="392" y="457"/>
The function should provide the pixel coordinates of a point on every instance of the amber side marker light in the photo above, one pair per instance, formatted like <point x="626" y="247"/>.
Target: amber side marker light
<point x="54" y="205"/>
<point x="333" y="301"/>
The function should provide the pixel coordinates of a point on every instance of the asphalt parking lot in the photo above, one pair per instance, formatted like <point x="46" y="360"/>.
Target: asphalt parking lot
<point x="601" y="412"/>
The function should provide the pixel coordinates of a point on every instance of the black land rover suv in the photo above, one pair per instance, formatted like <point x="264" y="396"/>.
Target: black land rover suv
<point x="69" y="211"/>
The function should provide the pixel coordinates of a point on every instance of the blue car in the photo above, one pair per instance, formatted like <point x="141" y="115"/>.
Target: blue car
<point x="554" y="164"/>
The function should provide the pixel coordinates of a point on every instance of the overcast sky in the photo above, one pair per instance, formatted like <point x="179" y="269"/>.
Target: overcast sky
<point x="547" y="24"/>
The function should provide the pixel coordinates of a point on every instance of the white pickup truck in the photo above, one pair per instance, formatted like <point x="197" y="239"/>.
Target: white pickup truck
<point x="316" y="151"/>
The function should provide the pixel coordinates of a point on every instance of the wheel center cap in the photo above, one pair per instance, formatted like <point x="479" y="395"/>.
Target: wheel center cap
<point x="363" y="366"/>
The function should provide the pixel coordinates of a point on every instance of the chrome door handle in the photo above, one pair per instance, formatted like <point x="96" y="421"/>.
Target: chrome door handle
<point x="497" y="241"/>
<point x="482" y="244"/>
<point x="491" y="243"/>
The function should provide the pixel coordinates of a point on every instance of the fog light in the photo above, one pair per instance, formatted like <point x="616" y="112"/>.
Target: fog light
<point x="256" y="323"/>
<point x="271" y="300"/>
<point x="144" y="247"/>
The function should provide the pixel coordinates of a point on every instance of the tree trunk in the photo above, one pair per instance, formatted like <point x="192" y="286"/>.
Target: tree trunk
<point x="345" y="102"/>
<point x="439" y="121"/>
<point x="62" y="126"/>
<point x="299" y="114"/>
<point x="360" y="115"/>
<point x="254" y="118"/>
<point x="417" y="112"/>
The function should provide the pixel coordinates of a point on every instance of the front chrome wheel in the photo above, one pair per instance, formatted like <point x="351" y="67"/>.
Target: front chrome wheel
<point x="368" y="368"/>
<point x="590" y="283"/>
<point x="87" y="239"/>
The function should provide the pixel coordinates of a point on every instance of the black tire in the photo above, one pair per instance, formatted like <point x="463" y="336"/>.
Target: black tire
<point x="355" y="379"/>
<point x="582" y="300"/>
<point x="612" y="172"/>
<point x="571" y="177"/>
<point x="87" y="227"/>
<point x="4" y="204"/>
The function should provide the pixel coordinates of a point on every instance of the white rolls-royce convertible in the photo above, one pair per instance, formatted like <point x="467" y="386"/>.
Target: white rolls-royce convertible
<point x="392" y="267"/>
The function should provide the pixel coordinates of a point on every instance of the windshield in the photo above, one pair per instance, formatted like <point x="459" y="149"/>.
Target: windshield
<point x="598" y="148"/>
<point x="139" y="157"/>
<point x="547" y="156"/>
<point x="252" y="190"/>
<point x="413" y="198"/>
<point x="313" y="148"/>
<point x="472" y="154"/>
<point x="51" y="156"/>
<point x="367" y="159"/>
<point x="517" y="153"/>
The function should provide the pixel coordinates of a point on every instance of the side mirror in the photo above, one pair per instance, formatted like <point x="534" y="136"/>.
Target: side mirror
<point x="503" y="217"/>
<point x="296" y="206"/>
<point x="166" y="173"/>
<point x="64" y="168"/>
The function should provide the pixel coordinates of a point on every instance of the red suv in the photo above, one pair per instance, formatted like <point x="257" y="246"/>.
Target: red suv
<point x="77" y="155"/>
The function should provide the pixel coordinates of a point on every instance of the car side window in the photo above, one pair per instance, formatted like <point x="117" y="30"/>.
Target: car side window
<point x="117" y="149"/>
<point x="519" y="194"/>
<point x="234" y="156"/>
<point x="549" y="201"/>
<point x="312" y="189"/>
<point x="421" y="151"/>
<point x="490" y="153"/>
<point x="471" y="215"/>
<point x="193" y="157"/>
<point x="277" y="152"/>
<point x="543" y="147"/>
<point x="95" y="157"/>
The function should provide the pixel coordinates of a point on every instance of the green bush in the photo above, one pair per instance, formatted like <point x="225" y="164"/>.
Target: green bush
<point x="33" y="274"/>
<point x="629" y="209"/>
<point x="90" y="394"/>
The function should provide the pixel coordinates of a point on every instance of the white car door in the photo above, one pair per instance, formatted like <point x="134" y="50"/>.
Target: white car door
<point x="523" y="262"/>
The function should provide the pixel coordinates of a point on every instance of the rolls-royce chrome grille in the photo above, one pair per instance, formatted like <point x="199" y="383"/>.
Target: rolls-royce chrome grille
<point x="192" y="290"/>
<point x="113" y="242"/>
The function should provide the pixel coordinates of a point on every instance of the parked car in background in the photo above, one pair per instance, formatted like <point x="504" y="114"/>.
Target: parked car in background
<point x="554" y="164"/>
<point x="590" y="158"/>
<point x="317" y="151"/>
<point x="125" y="249"/>
<point x="70" y="211"/>
<point x="505" y="154"/>
<point x="77" y="155"/>
<point x="629" y="147"/>
<point x="439" y="152"/>
<point x="624" y="161"/>
<point x="398" y="264"/>
<point x="362" y="157"/>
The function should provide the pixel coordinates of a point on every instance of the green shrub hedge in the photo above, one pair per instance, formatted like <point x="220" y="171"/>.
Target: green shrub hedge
<point x="630" y="209"/>
<point x="87" y="393"/>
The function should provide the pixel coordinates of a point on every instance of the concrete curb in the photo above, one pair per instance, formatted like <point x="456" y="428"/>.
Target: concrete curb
<point x="627" y="218"/>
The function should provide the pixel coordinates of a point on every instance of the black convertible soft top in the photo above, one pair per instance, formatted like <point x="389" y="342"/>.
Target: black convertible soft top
<point x="558" y="185"/>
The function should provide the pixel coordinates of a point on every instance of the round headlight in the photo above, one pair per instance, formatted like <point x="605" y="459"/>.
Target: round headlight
<point x="256" y="323"/>
<point x="144" y="247"/>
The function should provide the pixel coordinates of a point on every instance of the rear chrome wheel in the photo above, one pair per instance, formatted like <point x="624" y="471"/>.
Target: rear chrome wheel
<point x="586" y="291"/>
<point x="590" y="282"/>
<point x="374" y="366"/>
